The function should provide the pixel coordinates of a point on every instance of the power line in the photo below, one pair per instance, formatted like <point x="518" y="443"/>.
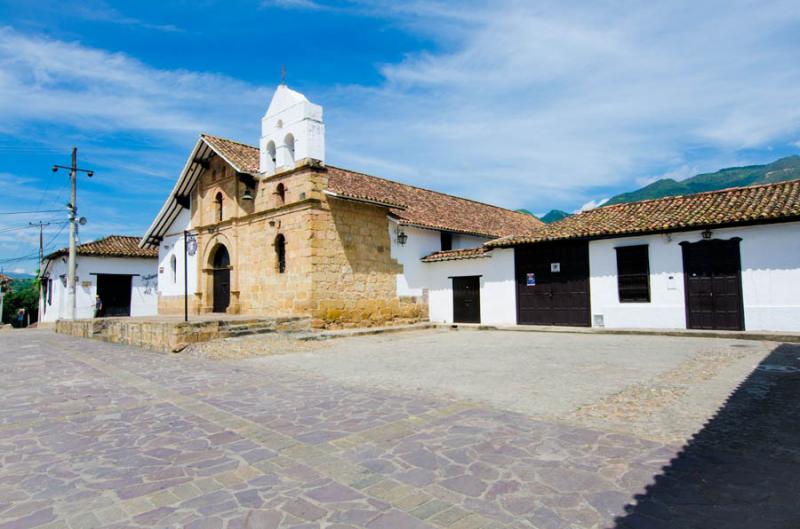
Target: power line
<point x="34" y="211"/>
<point x="36" y="255"/>
<point x="18" y="228"/>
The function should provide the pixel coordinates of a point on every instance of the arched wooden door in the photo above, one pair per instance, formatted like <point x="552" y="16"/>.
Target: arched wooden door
<point x="222" y="279"/>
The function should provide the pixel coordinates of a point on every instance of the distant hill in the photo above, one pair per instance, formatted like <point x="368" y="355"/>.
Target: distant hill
<point x="778" y="171"/>
<point x="18" y="275"/>
<point x="551" y="216"/>
<point x="554" y="215"/>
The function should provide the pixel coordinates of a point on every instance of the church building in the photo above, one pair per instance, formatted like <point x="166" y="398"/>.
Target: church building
<point x="275" y="230"/>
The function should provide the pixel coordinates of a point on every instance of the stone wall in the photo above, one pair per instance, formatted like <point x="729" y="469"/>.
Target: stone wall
<point x="173" y="336"/>
<point x="354" y="274"/>
<point x="339" y="267"/>
<point x="175" y="304"/>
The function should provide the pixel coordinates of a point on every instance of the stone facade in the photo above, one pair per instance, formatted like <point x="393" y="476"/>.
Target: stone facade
<point x="338" y="265"/>
<point x="175" y="304"/>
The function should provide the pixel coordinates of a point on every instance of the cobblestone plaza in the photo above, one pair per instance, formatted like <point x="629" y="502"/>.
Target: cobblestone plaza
<point x="100" y="435"/>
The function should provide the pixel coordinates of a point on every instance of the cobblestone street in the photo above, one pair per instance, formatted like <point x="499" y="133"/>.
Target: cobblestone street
<point x="98" y="435"/>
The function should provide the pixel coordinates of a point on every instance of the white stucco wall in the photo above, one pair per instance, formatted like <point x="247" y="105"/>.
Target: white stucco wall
<point x="144" y="299"/>
<point x="770" y="256"/>
<point x="172" y="244"/>
<point x="498" y="291"/>
<point x="421" y="242"/>
<point x="666" y="308"/>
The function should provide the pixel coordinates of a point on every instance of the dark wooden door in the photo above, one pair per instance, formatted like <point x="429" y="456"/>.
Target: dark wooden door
<point x="115" y="294"/>
<point x="713" y="281"/>
<point x="553" y="283"/>
<point x="222" y="279"/>
<point x="467" y="299"/>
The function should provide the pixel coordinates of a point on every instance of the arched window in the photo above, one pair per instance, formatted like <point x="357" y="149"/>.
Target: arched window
<point x="272" y="160"/>
<point x="280" y="190"/>
<point x="173" y="267"/>
<point x="280" y="252"/>
<point x="218" y="201"/>
<point x="289" y="143"/>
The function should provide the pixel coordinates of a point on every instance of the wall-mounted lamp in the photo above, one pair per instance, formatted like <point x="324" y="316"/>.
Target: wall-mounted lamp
<point x="402" y="238"/>
<point x="706" y="234"/>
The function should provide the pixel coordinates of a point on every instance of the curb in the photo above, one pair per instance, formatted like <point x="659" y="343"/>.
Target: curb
<point x="730" y="335"/>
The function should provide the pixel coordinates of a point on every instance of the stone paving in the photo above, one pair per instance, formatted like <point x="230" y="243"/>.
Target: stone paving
<point x="100" y="435"/>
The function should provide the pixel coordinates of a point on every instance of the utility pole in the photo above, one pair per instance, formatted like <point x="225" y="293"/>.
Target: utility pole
<point x="73" y="228"/>
<point x="41" y="240"/>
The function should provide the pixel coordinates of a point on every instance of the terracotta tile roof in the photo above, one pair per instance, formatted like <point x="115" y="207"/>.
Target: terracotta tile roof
<point x="243" y="157"/>
<point x="111" y="246"/>
<point x="416" y="206"/>
<point x="739" y="205"/>
<point x="429" y="209"/>
<point x="5" y="279"/>
<point x="455" y="255"/>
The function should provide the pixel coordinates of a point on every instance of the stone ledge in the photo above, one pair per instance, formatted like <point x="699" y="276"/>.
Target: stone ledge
<point x="174" y="336"/>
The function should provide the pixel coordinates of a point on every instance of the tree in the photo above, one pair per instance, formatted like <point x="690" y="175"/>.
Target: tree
<point x="21" y="294"/>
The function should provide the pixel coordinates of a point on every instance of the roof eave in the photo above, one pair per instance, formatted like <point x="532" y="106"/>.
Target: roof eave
<point x="509" y="242"/>
<point x="372" y="202"/>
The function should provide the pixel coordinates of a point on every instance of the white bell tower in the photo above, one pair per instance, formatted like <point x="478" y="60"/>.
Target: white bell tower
<point x="292" y="130"/>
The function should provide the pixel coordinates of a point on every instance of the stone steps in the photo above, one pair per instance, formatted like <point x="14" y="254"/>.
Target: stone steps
<point x="232" y="329"/>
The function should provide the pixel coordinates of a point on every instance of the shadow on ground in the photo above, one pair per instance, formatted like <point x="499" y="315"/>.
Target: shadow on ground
<point x="742" y="470"/>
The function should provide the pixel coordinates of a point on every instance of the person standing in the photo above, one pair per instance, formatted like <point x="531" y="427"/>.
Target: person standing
<point x="21" y="318"/>
<point x="98" y="306"/>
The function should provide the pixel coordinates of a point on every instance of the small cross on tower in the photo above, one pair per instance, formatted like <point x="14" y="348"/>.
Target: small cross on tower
<point x="283" y="74"/>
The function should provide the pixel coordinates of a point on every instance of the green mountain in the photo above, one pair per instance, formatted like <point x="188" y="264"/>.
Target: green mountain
<point x="554" y="215"/>
<point x="778" y="171"/>
<point x="551" y="216"/>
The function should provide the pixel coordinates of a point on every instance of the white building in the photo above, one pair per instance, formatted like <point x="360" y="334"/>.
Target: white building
<point x="114" y="268"/>
<point x="727" y="260"/>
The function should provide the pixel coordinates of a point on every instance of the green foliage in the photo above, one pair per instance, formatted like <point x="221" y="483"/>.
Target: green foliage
<point x="778" y="171"/>
<point x="554" y="215"/>
<point x="21" y="293"/>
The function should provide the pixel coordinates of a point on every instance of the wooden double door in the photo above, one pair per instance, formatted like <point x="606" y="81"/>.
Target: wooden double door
<point x="553" y="283"/>
<point x="713" y="283"/>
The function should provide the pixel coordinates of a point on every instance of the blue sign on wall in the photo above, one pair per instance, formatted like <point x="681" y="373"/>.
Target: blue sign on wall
<point x="531" y="279"/>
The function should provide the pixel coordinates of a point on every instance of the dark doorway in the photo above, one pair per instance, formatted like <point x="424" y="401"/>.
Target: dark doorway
<point x="222" y="279"/>
<point x="467" y="299"/>
<point x="115" y="293"/>
<point x="713" y="279"/>
<point x="553" y="283"/>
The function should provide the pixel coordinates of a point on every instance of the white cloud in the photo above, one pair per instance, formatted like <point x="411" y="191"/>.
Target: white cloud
<point x="19" y="270"/>
<point x="292" y="4"/>
<point x="533" y="105"/>
<point x="50" y="81"/>
<point x="100" y="11"/>
<point x="591" y="205"/>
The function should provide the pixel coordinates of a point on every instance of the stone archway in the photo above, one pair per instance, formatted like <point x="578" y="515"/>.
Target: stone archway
<point x="221" y="270"/>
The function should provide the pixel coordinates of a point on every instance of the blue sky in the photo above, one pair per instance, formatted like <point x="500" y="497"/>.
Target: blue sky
<point x="523" y="104"/>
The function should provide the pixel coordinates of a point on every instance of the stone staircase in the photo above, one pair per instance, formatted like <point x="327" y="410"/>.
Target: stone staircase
<point x="236" y="328"/>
